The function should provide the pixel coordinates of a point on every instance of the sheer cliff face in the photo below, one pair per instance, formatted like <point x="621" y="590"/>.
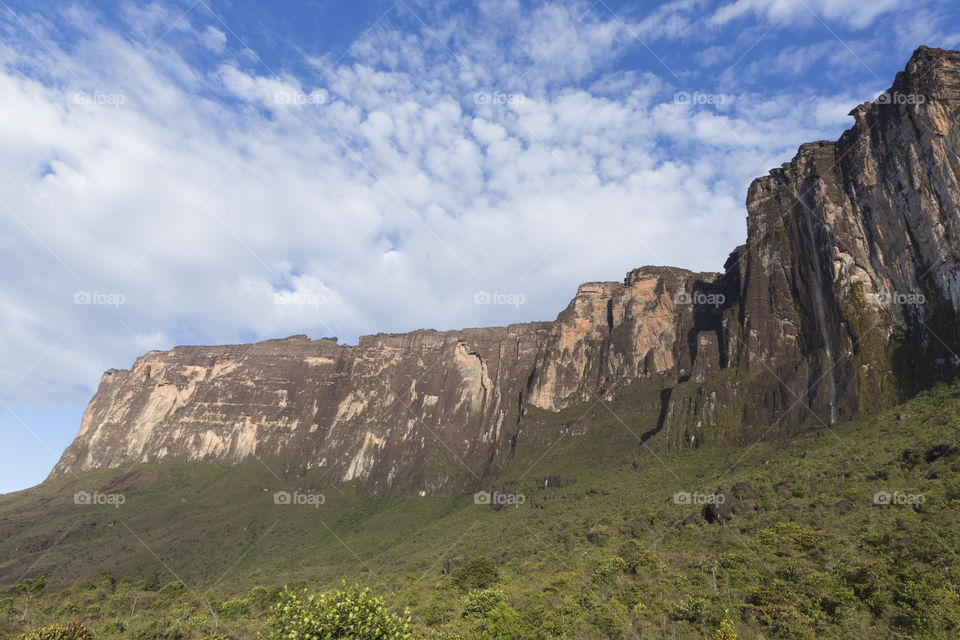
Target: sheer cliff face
<point x="425" y="411"/>
<point x="850" y="270"/>
<point x="613" y="333"/>
<point x="382" y="411"/>
<point x="842" y="300"/>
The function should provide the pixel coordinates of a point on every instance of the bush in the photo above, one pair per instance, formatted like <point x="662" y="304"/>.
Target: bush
<point x="70" y="631"/>
<point x="348" y="612"/>
<point x="156" y="629"/>
<point x="150" y="583"/>
<point x="32" y="586"/>
<point x="503" y="623"/>
<point x="726" y="630"/>
<point x="637" y="557"/>
<point x="481" y="601"/>
<point x="608" y="569"/>
<point x="436" y="613"/>
<point x="478" y="573"/>
<point x="172" y="589"/>
<point x="690" y="609"/>
<point x="234" y="609"/>
<point x="115" y="626"/>
<point x="259" y="597"/>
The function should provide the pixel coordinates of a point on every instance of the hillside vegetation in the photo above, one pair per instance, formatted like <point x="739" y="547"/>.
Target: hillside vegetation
<point x="849" y="532"/>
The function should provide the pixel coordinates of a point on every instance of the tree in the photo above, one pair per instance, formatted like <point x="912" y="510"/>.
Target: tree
<point x="726" y="630"/>
<point x="479" y="573"/>
<point x="31" y="588"/>
<point x="348" y="612"/>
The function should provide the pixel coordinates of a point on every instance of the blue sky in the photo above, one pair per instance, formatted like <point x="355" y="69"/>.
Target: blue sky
<point x="218" y="172"/>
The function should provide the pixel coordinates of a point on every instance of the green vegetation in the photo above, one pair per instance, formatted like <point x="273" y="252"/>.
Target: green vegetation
<point x="69" y="631"/>
<point x="349" y="612"/>
<point x="846" y="533"/>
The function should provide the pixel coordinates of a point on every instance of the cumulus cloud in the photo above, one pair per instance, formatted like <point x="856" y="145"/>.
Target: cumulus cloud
<point x="214" y="39"/>
<point x="172" y="191"/>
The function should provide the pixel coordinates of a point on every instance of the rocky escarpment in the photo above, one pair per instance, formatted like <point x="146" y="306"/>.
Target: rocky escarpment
<point x="426" y="411"/>
<point x="842" y="301"/>
<point x="849" y="292"/>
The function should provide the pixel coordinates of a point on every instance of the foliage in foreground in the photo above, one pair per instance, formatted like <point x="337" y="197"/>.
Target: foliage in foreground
<point x="69" y="631"/>
<point x="349" y="612"/>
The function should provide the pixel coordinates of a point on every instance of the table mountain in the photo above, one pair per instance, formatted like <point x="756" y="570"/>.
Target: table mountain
<point x="842" y="301"/>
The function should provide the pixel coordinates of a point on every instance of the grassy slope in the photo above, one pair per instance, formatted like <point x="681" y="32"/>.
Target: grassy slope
<point x="799" y="566"/>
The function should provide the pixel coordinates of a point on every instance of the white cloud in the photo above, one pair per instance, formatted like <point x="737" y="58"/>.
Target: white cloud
<point x="853" y="13"/>
<point x="379" y="197"/>
<point x="214" y="39"/>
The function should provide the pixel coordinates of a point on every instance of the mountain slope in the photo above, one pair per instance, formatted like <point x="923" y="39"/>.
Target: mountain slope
<point x="614" y="549"/>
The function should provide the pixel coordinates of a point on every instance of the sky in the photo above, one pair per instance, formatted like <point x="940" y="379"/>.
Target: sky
<point x="226" y="171"/>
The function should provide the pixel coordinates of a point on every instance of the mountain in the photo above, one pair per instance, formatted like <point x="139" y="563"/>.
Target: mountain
<point x="843" y="301"/>
<point x="685" y="455"/>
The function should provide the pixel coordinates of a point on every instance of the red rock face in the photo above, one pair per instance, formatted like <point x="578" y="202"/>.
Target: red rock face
<point x="843" y="300"/>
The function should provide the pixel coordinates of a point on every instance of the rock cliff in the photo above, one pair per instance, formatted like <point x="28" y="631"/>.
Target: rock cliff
<point x="842" y="301"/>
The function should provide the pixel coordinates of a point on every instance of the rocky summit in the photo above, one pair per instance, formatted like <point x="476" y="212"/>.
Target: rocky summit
<point x="842" y="301"/>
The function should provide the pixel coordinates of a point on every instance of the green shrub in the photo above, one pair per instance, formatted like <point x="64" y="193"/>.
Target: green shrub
<point x="348" y="612"/>
<point x="106" y="581"/>
<point x="690" y="609"/>
<point x="32" y="586"/>
<point x="481" y="601"/>
<point x="478" y="573"/>
<point x="503" y="623"/>
<point x="259" y="597"/>
<point x="782" y="608"/>
<point x="156" y="629"/>
<point x="172" y="589"/>
<point x="70" y="631"/>
<point x="150" y="583"/>
<point x="234" y="609"/>
<point x="436" y="613"/>
<point x="608" y="569"/>
<point x="637" y="557"/>
<point x="726" y="630"/>
<point x="115" y="626"/>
